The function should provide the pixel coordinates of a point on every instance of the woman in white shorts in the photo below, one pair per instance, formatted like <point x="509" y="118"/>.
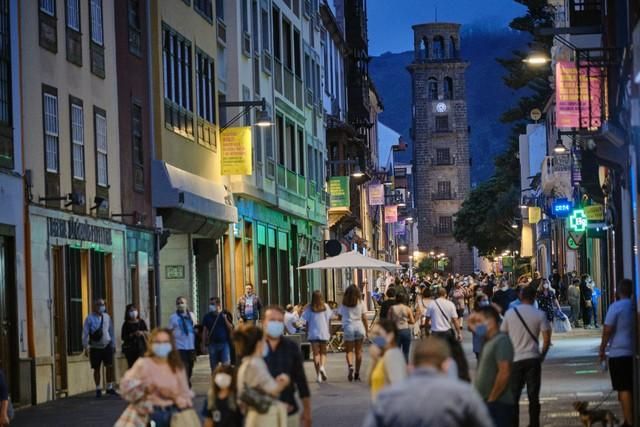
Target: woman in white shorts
<point x="354" y="326"/>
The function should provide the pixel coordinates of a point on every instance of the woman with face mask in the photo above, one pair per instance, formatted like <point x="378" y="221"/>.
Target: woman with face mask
<point x="477" y="338"/>
<point x="156" y="385"/>
<point x="389" y="366"/>
<point x="221" y="408"/>
<point x="134" y="335"/>
<point x="547" y="300"/>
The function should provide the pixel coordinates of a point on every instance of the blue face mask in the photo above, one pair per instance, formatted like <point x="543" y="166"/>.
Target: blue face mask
<point x="481" y="330"/>
<point x="161" y="350"/>
<point x="484" y="303"/>
<point x="379" y="342"/>
<point x="275" y="329"/>
<point x="102" y="308"/>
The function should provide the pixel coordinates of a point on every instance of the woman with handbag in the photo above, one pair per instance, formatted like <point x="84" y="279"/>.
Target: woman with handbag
<point x="257" y="389"/>
<point x="134" y="335"/>
<point x="157" y="388"/>
<point x="389" y="366"/>
<point x="547" y="300"/>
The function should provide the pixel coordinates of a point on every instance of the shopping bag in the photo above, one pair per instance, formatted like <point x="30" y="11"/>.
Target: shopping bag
<point x="561" y="324"/>
<point x="185" y="418"/>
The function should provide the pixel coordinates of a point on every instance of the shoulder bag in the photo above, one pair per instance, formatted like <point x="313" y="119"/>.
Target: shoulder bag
<point x="535" y="339"/>
<point x="96" y="335"/>
<point x="255" y="398"/>
<point x="451" y="331"/>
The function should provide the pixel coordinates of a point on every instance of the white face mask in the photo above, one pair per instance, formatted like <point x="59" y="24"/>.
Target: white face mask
<point x="133" y="314"/>
<point x="181" y="307"/>
<point x="222" y="380"/>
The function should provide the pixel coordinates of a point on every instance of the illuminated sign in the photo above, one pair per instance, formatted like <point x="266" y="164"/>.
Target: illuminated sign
<point x="578" y="221"/>
<point x="561" y="207"/>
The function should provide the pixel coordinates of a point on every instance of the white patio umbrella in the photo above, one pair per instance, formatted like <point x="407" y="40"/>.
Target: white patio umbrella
<point x="351" y="259"/>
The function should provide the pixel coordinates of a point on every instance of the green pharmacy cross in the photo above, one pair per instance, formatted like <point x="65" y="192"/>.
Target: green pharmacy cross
<point x="578" y="221"/>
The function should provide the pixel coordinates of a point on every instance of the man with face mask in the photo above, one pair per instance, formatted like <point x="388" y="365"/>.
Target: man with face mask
<point x="216" y="334"/>
<point x="428" y="397"/>
<point x="283" y="356"/>
<point x="98" y="342"/>
<point x="181" y="323"/>
<point x="494" y="366"/>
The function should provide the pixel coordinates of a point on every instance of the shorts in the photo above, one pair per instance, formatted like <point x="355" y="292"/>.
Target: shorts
<point x="318" y="342"/>
<point x="354" y="333"/>
<point x="620" y="369"/>
<point x="460" y="313"/>
<point x="99" y="356"/>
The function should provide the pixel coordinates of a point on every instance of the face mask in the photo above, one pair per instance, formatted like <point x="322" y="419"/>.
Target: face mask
<point x="275" y="328"/>
<point x="222" y="380"/>
<point x="545" y="286"/>
<point x="102" y="308"/>
<point x="481" y="330"/>
<point x="213" y="308"/>
<point x="484" y="303"/>
<point x="182" y="307"/>
<point x="133" y="314"/>
<point x="161" y="350"/>
<point x="379" y="342"/>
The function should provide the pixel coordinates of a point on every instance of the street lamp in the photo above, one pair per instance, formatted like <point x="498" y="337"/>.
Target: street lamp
<point x="263" y="118"/>
<point x="559" y="148"/>
<point x="536" y="59"/>
<point x="357" y="173"/>
<point x="402" y="247"/>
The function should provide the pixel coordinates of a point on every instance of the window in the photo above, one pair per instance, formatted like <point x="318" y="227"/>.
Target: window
<point x="438" y="47"/>
<point x="276" y="34"/>
<point x="77" y="140"/>
<point x="301" y="152"/>
<point x="255" y="30"/>
<point x="443" y="156"/>
<point x="77" y="296"/>
<point x="445" y="225"/>
<point x="73" y="14"/>
<point x="176" y="58"/>
<point x="97" y="32"/>
<point x="50" y="113"/>
<point x="205" y="8"/>
<point x="282" y="155"/>
<point x="220" y="9"/>
<point x="205" y="87"/>
<point x="264" y="22"/>
<point x="135" y="27"/>
<point x="442" y="123"/>
<point x="296" y="54"/>
<point x="432" y="89"/>
<point x="453" y="53"/>
<point x="268" y="142"/>
<point x="424" y="48"/>
<point x="448" y="88"/>
<point x="311" y="162"/>
<point x="287" y="48"/>
<point x="137" y="145"/>
<point x="6" y="121"/>
<point x="245" y="16"/>
<point x="102" y="171"/>
<point x="291" y="146"/>
<point x="444" y="189"/>
<point x="48" y="7"/>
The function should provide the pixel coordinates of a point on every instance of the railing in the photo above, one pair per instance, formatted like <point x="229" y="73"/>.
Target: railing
<point x="278" y="75"/>
<point x="294" y="184"/>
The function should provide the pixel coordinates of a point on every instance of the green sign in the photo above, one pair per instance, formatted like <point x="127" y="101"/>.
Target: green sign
<point x="339" y="192"/>
<point x="572" y="243"/>
<point x="578" y="221"/>
<point x="507" y="264"/>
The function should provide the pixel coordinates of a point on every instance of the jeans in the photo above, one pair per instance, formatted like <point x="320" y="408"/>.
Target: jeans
<point x="594" y="308"/>
<point x="219" y="353"/>
<point x="527" y="372"/>
<point x="586" y="315"/>
<point x="404" y="341"/>
<point x="501" y="413"/>
<point x="161" y="416"/>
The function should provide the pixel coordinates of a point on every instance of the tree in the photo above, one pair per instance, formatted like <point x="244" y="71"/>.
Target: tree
<point x="484" y="221"/>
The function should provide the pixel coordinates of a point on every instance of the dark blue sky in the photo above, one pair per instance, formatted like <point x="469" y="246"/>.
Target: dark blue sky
<point x="390" y="21"/>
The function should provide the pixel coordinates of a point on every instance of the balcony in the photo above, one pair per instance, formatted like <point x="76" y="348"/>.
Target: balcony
<point x="443" y="196"/>
<point x="295" y="186"/>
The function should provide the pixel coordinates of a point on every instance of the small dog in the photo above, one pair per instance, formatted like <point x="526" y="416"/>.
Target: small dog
<point x="590" y="416"/>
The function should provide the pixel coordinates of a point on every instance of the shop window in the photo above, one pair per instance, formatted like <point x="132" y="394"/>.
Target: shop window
<point x="78" y="297"/>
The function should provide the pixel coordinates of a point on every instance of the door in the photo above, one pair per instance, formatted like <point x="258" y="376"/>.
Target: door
<point x="8" y="325"/>
<point x="59" y="329"/>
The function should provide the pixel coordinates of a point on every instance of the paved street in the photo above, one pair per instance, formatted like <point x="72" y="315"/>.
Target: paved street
<point x="571" y="373"/>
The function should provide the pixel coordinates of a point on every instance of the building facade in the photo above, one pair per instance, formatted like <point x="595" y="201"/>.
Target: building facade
<point x="441" y="137"/>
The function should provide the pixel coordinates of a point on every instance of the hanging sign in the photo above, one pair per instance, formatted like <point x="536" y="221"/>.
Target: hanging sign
<point x="340" y="196"/>
<point x="578" y="221"/>
<point x="399" y="228"/>
<point x="594" y="213"/>
<point x="535" y="215"/>
<point x="561" y="208"/>
<point x="571" y="243"/>
<point x="391" y="214"/>
<point x="236" y="151"/>
<point x="578" y="95"/>
<point x="376" y="194"/>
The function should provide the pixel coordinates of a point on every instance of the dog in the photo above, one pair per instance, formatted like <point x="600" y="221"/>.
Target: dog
<point x="591" y="416"/>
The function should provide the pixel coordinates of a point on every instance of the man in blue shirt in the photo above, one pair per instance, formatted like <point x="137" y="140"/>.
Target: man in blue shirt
<point x="99" y="344"/>
<point x="617" y="334"/>
<point x="181" y="323"/>
<point x="216" y="334"/>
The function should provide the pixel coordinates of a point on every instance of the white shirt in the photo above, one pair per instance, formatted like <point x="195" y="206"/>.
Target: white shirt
<point x="318" y="324"/>
<point x="524" y="345"/>
<point x="290" y="320"/>
<point x="440" y="323"/>
<point x="352" y="316"/>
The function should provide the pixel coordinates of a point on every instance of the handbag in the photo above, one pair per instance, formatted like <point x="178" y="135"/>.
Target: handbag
<point x="256" y="399"/>
<point x="185" y="418"/>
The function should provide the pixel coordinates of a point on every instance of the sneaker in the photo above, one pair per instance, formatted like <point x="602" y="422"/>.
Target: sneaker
<point x="112" y="392"/>
<point x="350" y="376"/>
<point x="323" y="374"/>
<point x="356" y="377"/>
<point x="98" y="394"/>
<point x="319" y="379"/>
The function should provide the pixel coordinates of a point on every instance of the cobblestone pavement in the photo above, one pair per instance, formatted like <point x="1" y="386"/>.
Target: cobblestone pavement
<point x="570" y="373"/>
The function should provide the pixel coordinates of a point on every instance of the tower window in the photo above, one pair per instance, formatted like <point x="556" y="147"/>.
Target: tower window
<point x="445" y="225"/>
<point x="438" y="47"/>
<point x="424" y="48"/>
<point x="432" y="89"/>
<point x="453" y="53"/>
<point x="442" y="123"/>
<point x="448" y="88"/>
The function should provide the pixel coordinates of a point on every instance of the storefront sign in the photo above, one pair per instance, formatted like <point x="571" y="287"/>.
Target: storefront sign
<point x="571" y="243"/>
<point x="391" y="214"/>
<point x="535" y="215"/>
<point x="73" y="229"/>
<point x="376" y="194"/>
<point x="399" y="228"/>
<point x="594" y="213"/>
<point x="507" y="264"/>
<point x="561" y="208"/>
<point x="340" y="196"/>
<point x="236" y="152"/>
<point x="578" y="221"/>
<point x="578" y="95"/>
<point x="174" y="271"/>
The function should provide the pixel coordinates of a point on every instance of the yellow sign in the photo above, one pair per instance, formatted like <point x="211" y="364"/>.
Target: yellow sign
<point x="594" y="212"/>
<point x="236" y="151"/>
<point x="535" y="215"/>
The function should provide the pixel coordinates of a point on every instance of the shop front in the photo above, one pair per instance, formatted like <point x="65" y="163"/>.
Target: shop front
<point x="74" y="261"/>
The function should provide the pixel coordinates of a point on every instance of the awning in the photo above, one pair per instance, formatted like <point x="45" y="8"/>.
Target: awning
<point x="191" y="204"/>
<point x="350" y="260"/>
<point x="336" y="214"/>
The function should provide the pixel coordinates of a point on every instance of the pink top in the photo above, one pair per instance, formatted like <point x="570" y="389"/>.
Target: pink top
<point x="170" y="387"/>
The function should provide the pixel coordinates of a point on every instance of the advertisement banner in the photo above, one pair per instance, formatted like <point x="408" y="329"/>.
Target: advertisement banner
<point x="236" y="156"/>
<point x="391" y="214"/>
<point x="399" y="228"/>
<point x="578" y="95"/>
<point x="535" y="215"/>
<point x="594" y="213"/>
<point x="340" y="196"/>
<point x="376" y="194"/>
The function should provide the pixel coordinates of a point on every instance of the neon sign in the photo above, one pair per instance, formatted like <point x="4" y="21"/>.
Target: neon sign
<point x="561" y="207"/>
<point x="578" y="221"/>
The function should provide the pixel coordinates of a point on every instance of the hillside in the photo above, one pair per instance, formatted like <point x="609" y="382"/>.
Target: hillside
<point x="487" y="95"/>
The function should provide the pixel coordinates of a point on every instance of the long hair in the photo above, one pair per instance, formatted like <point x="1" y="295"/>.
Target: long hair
<point x="212" y="394"/>
<point x="246" y="338"/>
<point x="174" y="360"/>
<point x="351" y="296"/>
<point x="126" y="312"/>
<point x="317" y="302"/>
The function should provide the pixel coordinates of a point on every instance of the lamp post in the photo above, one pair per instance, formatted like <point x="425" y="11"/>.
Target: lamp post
<point x="263" y="119"/>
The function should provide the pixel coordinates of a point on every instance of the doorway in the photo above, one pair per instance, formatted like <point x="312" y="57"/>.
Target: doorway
<point x="59" y="339"/>
<point x="8" y="324"/>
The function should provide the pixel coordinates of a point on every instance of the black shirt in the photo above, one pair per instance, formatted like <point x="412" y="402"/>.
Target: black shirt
<point x="221" y="414"/>
<point x="131" y="341"/>
<point x="385" y="306"/>
<point x="286" y="358"/>
<point x="215" y="324"/>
